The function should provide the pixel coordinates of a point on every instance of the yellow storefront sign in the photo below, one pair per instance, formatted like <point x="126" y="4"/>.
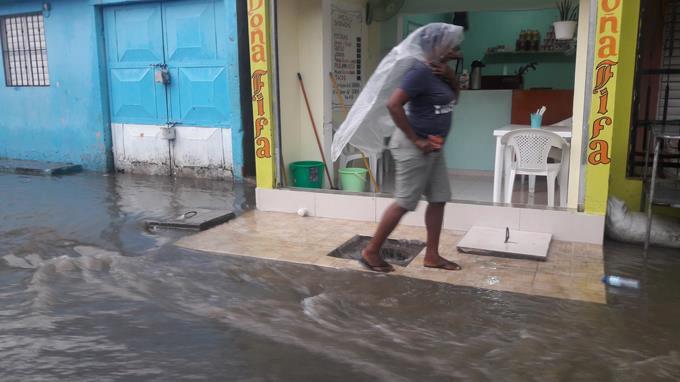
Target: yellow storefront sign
<point x="602" y="123"/>
<point x="260" y="74"/>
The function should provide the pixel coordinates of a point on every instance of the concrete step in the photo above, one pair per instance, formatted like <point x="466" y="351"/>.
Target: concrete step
<point x="31" y="167"/>
<point x="195" y="220"/>
<point x="487" y="241"/>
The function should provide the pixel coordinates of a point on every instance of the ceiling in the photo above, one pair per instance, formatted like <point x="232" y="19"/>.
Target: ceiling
<point x="440" y="6"/>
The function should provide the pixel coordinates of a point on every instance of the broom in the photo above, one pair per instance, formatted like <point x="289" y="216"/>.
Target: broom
<point x="316" y="134"/>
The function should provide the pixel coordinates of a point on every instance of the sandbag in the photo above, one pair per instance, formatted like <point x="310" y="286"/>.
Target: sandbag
<point x="630" y="227"/>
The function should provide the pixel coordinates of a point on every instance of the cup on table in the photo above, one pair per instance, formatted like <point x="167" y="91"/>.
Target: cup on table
<point x="536" y="120"/>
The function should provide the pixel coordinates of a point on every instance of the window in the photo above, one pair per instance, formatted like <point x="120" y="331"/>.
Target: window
<point x="23" y="50"/>
<point x="657" y="86"/>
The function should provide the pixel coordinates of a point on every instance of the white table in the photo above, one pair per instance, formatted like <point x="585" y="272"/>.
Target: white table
<point x="562" y="131"/>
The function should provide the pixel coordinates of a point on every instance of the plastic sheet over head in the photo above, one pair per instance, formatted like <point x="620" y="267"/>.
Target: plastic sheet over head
<point x="368" y="122"/>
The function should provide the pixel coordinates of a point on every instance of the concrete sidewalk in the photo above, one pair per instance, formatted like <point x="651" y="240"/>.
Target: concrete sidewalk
<point x="572" y="271"/>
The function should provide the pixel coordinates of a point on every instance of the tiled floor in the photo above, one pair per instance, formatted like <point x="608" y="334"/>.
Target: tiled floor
<point x="471" y="187"/>
<point x="479" y="188"/>
<point x="572" y="271"/>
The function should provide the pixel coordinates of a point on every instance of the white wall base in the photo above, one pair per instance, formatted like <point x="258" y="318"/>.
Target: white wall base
<point x="563" y="225"/>
<point x="201" y="152"/>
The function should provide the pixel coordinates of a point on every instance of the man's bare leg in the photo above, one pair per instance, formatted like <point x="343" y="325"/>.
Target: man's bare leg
<point x="434" y="217"/>
<point x="389" y="221"/>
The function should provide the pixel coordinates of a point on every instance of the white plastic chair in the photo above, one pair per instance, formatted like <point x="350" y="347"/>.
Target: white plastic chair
<point x="527" y="152"/>
<point x="555" y="154"/>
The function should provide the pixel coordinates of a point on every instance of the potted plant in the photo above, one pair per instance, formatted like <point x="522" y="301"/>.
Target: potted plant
<point x="566" y="27"/>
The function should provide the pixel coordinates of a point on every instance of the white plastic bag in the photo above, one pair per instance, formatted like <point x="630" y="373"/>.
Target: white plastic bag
<point x="368" y="122"/>
<point x="631" y="227"/>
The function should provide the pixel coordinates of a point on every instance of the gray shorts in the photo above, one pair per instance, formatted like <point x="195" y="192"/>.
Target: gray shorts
<point x="418" y="174"/>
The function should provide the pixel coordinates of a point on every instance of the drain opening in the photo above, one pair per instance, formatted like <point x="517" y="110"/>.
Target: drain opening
<point x="396" y="252"/>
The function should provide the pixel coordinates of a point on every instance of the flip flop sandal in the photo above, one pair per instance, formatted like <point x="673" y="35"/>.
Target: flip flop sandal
<point x="447" y="265"/>
<point x="384" y="267"/>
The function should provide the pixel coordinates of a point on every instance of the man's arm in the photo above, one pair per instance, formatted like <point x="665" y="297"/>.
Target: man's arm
<point x="395" y="105"/>
<point x="445" y="71"/>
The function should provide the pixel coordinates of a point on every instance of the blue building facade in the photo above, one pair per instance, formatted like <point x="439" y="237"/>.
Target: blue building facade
<point x="139" y="86"/>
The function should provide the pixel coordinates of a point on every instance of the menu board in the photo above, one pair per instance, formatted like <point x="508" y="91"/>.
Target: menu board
<point x="347" y="32"/>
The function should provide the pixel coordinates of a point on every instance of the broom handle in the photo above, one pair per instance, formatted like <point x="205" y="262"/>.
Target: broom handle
<point x="285" y="174"/>
<point x="341" y="100"/>
<point x="316" y="134"/>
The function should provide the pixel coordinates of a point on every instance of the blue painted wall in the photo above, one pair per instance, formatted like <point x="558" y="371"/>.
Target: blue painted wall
<point x="234" y="87"/>
<point x="68" y="121"/>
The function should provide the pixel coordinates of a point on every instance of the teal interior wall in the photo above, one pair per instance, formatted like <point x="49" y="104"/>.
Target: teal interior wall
<point x="492" y="28"/>
<point x="68" y="120"/>
<point x="388" y="29"/>
<point x="471" y="144"/>
<point x="65" y="121"/>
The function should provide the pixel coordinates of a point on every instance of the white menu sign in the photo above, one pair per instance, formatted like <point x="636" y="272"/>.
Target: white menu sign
<point x="347" y="34"/>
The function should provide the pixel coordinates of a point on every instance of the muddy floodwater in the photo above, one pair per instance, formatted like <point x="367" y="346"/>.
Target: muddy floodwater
<point x="88" y="294"/>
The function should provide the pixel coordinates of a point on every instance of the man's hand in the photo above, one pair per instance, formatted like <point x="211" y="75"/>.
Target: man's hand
<point x="454" y="54"/>
<point x="442" y="70"/>
<point x="436" y="141"/>
<point x="432" y="143"/>
<point x="424" y="145"/>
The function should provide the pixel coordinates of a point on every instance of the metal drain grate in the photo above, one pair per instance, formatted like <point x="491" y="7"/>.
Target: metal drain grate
<point x="396" y="252"/>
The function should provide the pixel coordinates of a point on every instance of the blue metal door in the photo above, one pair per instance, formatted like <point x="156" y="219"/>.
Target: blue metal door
<point x="134" y="46"/>
<point x="195" y="52"/>
<point x="189" y="38"/>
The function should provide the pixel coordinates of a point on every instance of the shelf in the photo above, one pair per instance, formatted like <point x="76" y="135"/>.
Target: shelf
<point x="566" y="52"/>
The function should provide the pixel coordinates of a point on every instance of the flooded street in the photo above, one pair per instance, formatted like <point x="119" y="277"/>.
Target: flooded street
<point x="87" y="293"/>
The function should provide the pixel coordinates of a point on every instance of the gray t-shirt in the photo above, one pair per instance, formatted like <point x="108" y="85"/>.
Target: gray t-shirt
<point x="431" y="100"/>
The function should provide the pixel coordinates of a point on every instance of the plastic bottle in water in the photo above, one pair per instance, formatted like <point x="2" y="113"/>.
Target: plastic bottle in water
<point x="622" y="282"/>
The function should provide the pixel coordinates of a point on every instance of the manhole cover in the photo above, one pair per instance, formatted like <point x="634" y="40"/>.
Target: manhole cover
<point x="397" y="252"/>
<point x="195" y="220"/>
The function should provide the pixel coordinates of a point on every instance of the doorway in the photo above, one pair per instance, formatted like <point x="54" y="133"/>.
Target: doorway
<point x="170" y="92"/>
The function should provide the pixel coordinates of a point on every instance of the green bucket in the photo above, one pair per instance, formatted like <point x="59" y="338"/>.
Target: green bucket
<point x="307" y="174"/>
<point x="353" y="179"/>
